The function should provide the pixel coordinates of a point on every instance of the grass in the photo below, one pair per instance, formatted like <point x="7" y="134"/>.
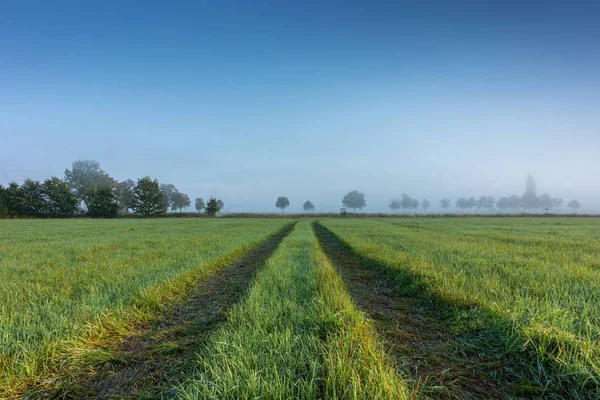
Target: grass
<point x="296" y="335"/>
<point x="390" y="308"/>
<point x="68" y="284"/>
<point x="530" y="286"/>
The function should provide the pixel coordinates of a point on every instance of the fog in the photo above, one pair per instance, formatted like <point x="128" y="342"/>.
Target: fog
<point x="307" y="102"/>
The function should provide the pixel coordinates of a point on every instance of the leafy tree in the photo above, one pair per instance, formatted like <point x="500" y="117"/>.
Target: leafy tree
<point x="445" y="203"/>
<point x="13" y="200"/>
<point x="60" y="202"/>
<point x="514" y="202"/>
<point x="471" y="202"/>
<point x="503" y="203"/>
<point x="212" y="207"/>
<point x="124" y="193"/>
<point x="557" y="202"/>
<point x="220" y="204"/>
<point x="102" y="203"/>
<point x="147" y="198"/>
<point x="169" y="192"/>
<point x="34" y="204"/>
<point x="199" y="204"/>
<point x="282" y="202"/>
<point x="85" y="177"/>
<point x="425" y="204"/>
<point x="414" y="204"/>
<point x="488" y="202"/>
<point x="574" y="205"/>
<point x="308" y="206"/>
<point x="354" y="200"/>
<point x="3" y="206"/>
<point x="180" y="201"/>
<point x="545" y="201"/>
<point x="462" y="203"/>
<point x="395" y="205"/>
<point x="407" y="202"/>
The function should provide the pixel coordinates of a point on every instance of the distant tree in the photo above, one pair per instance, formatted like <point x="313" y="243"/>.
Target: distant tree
<point x="212" y="207"/>
<point x="33" y="202"/>
<point x="471" y="202"/>
<point x="545" y="202"/>
<point x="395" y="205"/>
<point x="282" y="202"/>
<point x="199" y="204"/>
<point x="487" y="202"/>
<point x="13" y="200"/>
<point x="503" y="204"/>
<point x="462" y="203"/>
<point x="574" y="205"/>
<point x="60" y="201"/>
<point x="3" y="205"/>
<point x="148" y="200"/>
<point x="102" y="203"/>
<point x="354" y="200"/>
<point x="445" y="203"/>
<point x="308" y="206"/>
<point x="425" y="204"/>
<point x="124" y="194"/>
<point x="180" y="201"/>
<point x="514" y="202"/>
<point x="169" y="192"/>
<point x="407" y="202"/>
<point x="85" y="177"/>
<point x="220" y="204"/>
<point x="557" y="202"/>
<point x="414" y="204"/>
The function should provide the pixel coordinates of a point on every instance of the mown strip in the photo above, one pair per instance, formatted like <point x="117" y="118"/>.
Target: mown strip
<point x="110" y="300"/>
<point x="296" y="335"/>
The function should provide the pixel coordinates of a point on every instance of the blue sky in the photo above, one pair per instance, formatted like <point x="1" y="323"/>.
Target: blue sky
<point x="307" y="99"/>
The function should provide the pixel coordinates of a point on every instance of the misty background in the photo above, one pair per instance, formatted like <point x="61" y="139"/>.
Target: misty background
<point x="309" y="101"/>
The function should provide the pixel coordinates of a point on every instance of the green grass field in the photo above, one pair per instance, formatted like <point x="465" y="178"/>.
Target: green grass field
<point x="333" y="308"/>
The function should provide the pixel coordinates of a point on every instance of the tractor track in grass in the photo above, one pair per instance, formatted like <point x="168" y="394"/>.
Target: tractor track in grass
<point x="414" y="332"/>
<point x="153" y="360"/>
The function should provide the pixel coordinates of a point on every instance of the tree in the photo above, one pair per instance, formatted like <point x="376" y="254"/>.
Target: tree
<point x="425" y="204"/>
<point x="102" y="203"/>
<point x="488" y="202"/>
<point x="3" y="205"/>
<point x="445" y="203"/>
<point x="33" y="202"/>
<point x="557" y="202"/>
<point x="180" y="201"/>
<point x="124" y="194"/>
<point x="545" y="201"/>
<point x="147" y="198"/>
<point x="414" y="204"/>
<point x="282" y="202"/>
<point x="354" y="200"/>
<point x="514" y="202"/>
<point x="574" y="205"/>
<point x="395" y="205"/>
<point x="85" y="177"/>
<point x="407" y="202"/>
<point x="471" y="202"/>
<point x="13" y="200"/>
<point x="212" y="207"/>
<point x="169" y="192"/>
<point x="462" y="203"/>
<point x="199" y="204"/>
<point x="308" y="206"/>
<point x="60" y="202"/>
<point x="530" y="199"/>
<point x="503" y="203"/>
<point x="220" y="204"/>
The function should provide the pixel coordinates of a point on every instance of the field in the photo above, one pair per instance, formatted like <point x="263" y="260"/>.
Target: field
<point x="281" y="308"/>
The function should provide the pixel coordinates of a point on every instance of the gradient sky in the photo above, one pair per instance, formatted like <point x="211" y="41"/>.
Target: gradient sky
<point x="306" y="99"/>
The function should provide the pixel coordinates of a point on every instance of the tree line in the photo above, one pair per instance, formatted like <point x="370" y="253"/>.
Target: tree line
<point x="88" y="190"/>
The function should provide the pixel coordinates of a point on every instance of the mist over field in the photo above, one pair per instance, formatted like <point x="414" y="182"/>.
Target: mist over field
<point x="307" y="101"/>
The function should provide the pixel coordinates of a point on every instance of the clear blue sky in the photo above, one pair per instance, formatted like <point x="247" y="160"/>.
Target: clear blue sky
<point x="306" y="99"/>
